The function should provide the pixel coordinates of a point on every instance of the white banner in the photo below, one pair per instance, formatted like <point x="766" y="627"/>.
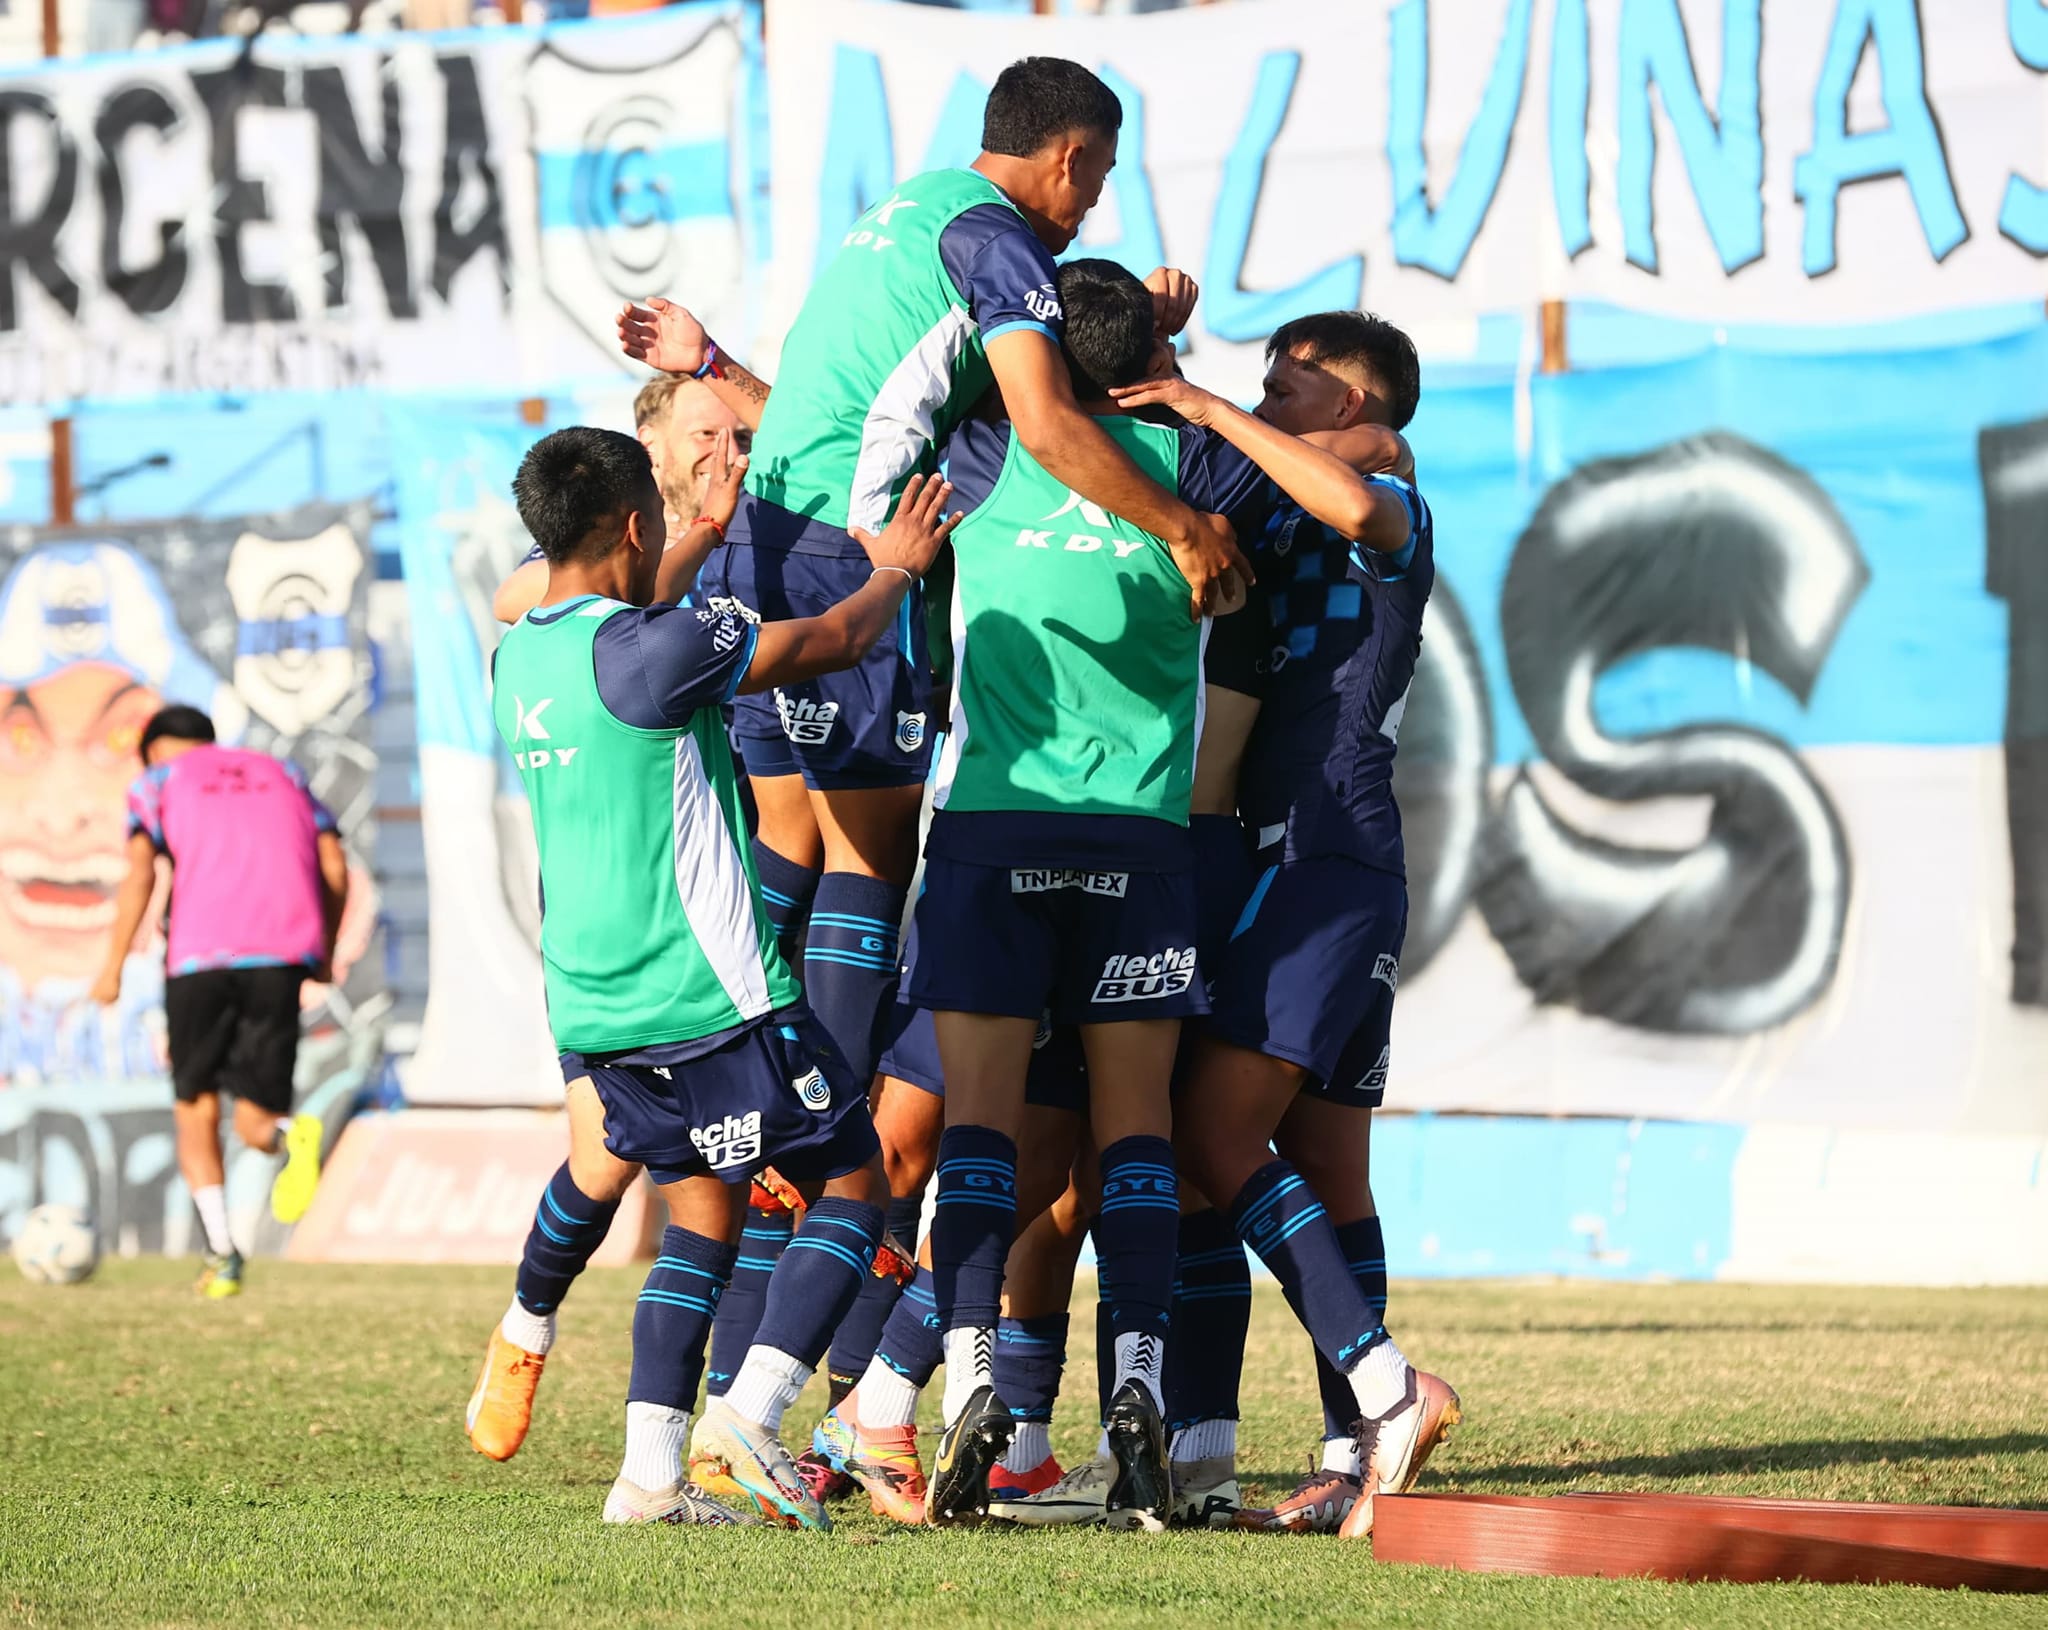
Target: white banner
<point x="1721" y="160"/>
<point x="457" y="212"/>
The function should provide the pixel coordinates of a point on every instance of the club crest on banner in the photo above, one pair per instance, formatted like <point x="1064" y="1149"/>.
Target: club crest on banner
<point x="635" y="176"/>
<point x="293" y="661"/>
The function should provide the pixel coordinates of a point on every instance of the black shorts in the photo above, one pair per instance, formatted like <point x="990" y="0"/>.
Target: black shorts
<point x="235" y="1030"/>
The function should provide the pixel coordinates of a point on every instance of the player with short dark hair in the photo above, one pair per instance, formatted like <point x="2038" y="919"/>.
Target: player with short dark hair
<point x="259" y="881"/>
<point x="1059" y="871"/>
<point x="1294" y="1051"/>
<point x="1037" y="100"/>
<point x="939" y="289"/>
<point x="686" y="1047"/>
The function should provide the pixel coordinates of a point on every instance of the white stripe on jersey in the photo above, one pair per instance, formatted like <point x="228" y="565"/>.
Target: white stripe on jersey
<point x="902" y="422"/>
<point x="956" y="738"/>
<point x="711" y="883"/>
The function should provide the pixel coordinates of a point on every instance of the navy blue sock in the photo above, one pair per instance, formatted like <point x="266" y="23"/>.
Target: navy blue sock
<point x="568" y="1227"/>
<point x="762" y="1242"/>
<point x="972" y="1224"/>
<point x="911" y="1343"/>
<point x="1031" y="1356"/>
<point x="673" y="1317"/>
<point x="786" y="890"/>
<point x="1136" y="1232"/>
<point x="1212" y="1312"/>
<point x="853" y="1343"/>
<point x="819" y="1276"/>
<point x="850" y="968"/>
<point x="1277" y="1214"/>
<point x="1365" y="1252"/>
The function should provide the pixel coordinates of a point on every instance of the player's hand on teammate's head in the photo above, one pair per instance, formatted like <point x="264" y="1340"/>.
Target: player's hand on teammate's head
<point x="1173" y="298"/>
<point x="665" y="336"/>
<point x="1189" y="400"/>
<point x="728" y="469"/>
<point x="1215" y="568"/>
<point x="917" y="531"/>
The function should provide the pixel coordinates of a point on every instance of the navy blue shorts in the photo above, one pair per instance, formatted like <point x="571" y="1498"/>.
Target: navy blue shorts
<point x="867" y="726"/>
<point x="776" y="1094"/>
<point x="1090" y="947"/>
<point x="1056" y="1079"/>
<point x="1309" y="974"/>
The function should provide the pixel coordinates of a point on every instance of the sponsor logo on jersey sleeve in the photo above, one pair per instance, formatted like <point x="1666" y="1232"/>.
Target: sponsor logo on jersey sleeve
<point x="725" y="605"/>
<point x="727" y="626"/>
<point x="1387" y="970"/>
<point x="1043" y="303"/>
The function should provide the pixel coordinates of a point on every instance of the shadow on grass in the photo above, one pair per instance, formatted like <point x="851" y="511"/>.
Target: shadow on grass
<point x="1731" y="1327"/>
<point x="1725" y="1459"/>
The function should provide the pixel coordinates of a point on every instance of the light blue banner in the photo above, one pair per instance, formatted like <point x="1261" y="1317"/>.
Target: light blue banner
<point x="1891" y="442"/>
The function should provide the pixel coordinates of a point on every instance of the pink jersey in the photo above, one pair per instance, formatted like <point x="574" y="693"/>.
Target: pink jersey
<point x="241" y="830"/>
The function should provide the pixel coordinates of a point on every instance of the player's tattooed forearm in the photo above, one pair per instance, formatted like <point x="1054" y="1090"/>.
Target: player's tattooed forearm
<point x="748" y="385"/>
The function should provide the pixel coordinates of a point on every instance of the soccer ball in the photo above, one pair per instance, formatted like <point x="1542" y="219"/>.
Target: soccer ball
<point x="57" y="1245"/>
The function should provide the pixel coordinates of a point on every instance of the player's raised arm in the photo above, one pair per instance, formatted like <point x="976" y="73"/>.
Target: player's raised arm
<point x="1370" y="449"/>
<point x="525" y="586"/>
<point x="1073" y="448"/>
<point x="1174" y="294"/>
<point x="1318" y="480"/>
<point x="807" y="646"/>
<point x="685" y="557"/>
<point x="668" y="338"/>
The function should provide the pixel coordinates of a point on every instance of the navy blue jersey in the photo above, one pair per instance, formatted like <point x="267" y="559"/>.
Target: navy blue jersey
<point x="1345" y="626"/>
<point x="1213" y="475"/>
<point x="1005" y="274"/>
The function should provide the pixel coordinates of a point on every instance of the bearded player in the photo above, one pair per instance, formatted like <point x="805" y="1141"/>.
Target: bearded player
<point x="686" y="1046"/>
<point x="943" y="287"/>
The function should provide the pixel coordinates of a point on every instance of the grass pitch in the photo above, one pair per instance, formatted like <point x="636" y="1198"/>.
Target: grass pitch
<point x="297" y="1457"/>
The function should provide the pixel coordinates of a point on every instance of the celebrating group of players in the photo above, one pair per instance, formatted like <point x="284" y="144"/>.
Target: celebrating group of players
<point x="1148" y="980"/>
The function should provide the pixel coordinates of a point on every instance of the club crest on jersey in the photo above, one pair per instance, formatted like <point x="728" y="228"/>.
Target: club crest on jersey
<point x="1387" y="970"/>
<point x="1044" y="1033"/>
<point x="805" y="722"/>
<point x="814" y="1090"/>
<point x="733" y="1141"/>
<point x="909" y="732"/>
<point x="1144" y="978"/>
<point x="1048" y="879"/>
